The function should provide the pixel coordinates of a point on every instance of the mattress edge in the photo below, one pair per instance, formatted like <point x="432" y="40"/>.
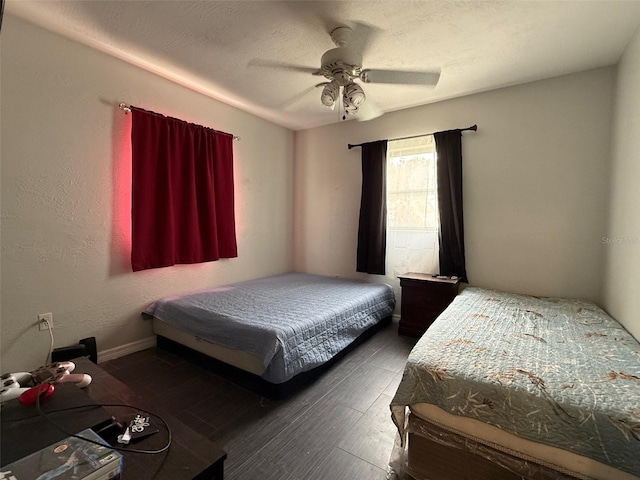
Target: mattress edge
<point x="573" y="463"/>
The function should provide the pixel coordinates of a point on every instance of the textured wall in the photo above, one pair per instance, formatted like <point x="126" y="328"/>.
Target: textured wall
<point x="66" y="195"/>
<point x="622" y="240"/>
<point x="535" y="184"/>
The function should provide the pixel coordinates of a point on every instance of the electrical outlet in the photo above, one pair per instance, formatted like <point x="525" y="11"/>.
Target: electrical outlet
<point x="45" y="318"/>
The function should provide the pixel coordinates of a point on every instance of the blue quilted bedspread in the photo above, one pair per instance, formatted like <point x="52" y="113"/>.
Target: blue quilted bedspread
<point x="556" y="371"/>
<point x="293" y="322"/>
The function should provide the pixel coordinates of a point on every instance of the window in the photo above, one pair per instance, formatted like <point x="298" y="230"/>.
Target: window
<point x="412" y="207"/>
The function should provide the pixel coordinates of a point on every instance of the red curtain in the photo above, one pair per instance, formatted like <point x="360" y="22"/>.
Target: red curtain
<point x="182" y="192"/>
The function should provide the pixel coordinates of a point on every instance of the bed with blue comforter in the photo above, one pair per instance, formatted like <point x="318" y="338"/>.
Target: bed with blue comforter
<point x="558" y="372"/>
<point x="293" y="322"/>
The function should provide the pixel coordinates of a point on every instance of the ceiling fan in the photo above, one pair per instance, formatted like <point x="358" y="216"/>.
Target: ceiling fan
<point x="342" y="67"/>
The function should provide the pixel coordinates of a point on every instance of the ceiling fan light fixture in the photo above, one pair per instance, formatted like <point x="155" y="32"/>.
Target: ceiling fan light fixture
<point x="353" y="97"/>
<point x="330" y="94"/>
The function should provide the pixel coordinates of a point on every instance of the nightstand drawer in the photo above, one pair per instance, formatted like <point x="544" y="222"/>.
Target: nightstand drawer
<point x="421" y="315"/>
<point x="426" y="297"/>
<point x="416" y="320"/>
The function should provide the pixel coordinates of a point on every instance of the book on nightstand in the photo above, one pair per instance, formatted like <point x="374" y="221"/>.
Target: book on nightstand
<point x="68" y="459"/>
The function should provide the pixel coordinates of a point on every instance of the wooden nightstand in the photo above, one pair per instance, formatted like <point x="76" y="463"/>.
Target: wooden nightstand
<point x="424" y="297"/>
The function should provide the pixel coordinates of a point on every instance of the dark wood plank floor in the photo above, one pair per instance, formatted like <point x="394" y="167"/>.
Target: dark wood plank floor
<point x="338" y="427"/>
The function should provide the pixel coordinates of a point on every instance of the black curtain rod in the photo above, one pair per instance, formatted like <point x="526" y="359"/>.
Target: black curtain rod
<point x="127" y="109"/>
<point x="472" y="127"/>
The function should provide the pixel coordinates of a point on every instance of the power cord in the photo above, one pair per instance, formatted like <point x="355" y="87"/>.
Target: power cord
<point x="120" y="449"/>
<point x="46" y="361"/>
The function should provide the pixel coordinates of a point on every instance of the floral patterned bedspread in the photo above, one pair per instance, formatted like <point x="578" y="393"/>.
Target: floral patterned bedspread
<point x="556" y="371"/>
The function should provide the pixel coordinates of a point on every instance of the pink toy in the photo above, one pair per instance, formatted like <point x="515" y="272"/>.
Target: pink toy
<point x="60" y="372"/>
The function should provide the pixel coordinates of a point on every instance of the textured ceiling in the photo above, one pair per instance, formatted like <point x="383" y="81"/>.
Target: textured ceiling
<point x="220" y="48"/>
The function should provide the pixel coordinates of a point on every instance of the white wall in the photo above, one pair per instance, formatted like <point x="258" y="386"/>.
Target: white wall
<point x="622" y="243"/>
<point x="535" y="184"/>
<point x="66" y="195"/>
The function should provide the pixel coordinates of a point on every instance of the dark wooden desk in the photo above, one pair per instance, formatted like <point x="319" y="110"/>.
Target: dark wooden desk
<point x="191" y="456"/>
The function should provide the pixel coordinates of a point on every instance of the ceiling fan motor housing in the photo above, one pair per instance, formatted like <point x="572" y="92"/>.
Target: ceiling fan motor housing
<point x="342" y="64"/>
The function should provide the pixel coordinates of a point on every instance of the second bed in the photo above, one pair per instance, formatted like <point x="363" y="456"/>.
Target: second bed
<point x="507" y="386"/>
<point x="276" y="328"/>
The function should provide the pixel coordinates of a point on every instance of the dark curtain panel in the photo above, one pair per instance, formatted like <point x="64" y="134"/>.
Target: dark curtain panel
<point x="372" y="227"/>
<point x="451" y="236"/>
<point x="182" y="192"/>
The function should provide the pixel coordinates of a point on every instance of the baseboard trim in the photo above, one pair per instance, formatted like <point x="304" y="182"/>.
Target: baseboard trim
<point x="122" y="350"/>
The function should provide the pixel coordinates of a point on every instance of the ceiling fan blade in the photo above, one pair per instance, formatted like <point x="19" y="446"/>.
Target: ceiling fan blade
<point x="288" y="104"/>
<point x="400" y="76"/>
<point x="282" y="66"/>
